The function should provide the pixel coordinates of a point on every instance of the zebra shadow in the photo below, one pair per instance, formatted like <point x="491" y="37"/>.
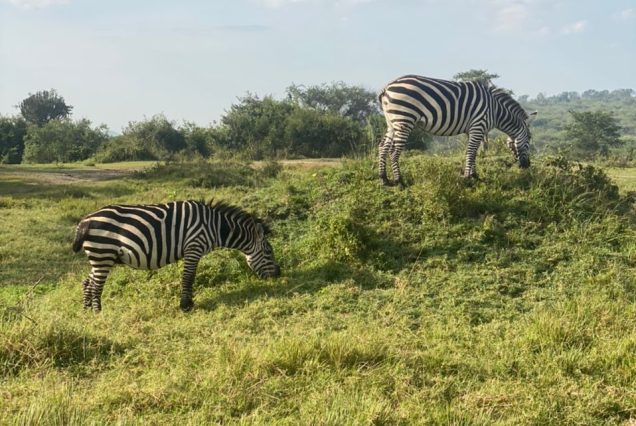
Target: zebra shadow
<point x="298" y="282"/>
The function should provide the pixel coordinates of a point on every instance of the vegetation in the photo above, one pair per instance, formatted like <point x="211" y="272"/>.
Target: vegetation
<point x="504" y="301"/>
<point x="62" y="141"/>
<point x="328" y="120"/>
<point x="44" y="106"/>
<point x="593" y="132"/>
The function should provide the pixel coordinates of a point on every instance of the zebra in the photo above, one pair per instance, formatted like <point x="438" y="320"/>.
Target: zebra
<point x="448" y="108"/>
<point x="150" y="236"/>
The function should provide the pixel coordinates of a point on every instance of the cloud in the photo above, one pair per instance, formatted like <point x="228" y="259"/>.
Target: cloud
<point x="511" y="16"/>
<point x="276" y="4"/>
<point x="519" y="16"/>
<point x="625" y="15"/>
<point x="577" y="27"/>
<point x="37" y="4"/>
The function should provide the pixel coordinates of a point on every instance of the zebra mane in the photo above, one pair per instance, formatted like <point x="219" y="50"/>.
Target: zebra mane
<point x="235" y="211"/>
<point x="504" y="97"/>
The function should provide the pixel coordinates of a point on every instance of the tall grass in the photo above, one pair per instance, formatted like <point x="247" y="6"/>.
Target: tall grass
<point x="504" y="301"/>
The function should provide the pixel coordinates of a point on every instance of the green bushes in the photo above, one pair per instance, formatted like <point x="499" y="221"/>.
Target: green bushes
<point x="62" y="141"/>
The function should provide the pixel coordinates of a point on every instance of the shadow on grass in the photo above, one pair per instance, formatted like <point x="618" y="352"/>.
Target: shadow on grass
<point x="306" y="281"/>
<point x="55" y="346"/>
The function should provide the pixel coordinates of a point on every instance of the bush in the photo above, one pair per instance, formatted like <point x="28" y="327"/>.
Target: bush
<point x="62" y="141"/>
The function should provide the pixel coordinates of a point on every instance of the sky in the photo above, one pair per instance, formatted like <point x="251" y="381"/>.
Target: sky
<point x="118" y="61"/>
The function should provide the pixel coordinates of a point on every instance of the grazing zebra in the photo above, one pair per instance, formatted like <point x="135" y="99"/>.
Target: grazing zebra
<point x="150" y="236"/>
<point x="447" y="108"/>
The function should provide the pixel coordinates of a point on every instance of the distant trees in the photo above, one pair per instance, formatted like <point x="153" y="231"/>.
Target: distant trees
<point x="476" y="75"/>
<point x="154" y="139"/>
<point x="62" y="141"/>
<point x="354" y="102"/>
<point x="44" y="106"/>
<point x="12" y="132"/>
<point x="593" y="132"/>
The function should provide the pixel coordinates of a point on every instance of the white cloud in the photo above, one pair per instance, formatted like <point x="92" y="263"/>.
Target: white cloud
<point x="519" y="16"/>
<point x="511" y="16"/>
<point x="577" y="27"/>
<point x="37" y="4"/>
<point x="276" y="4"/>
<point x="626" y="14"/>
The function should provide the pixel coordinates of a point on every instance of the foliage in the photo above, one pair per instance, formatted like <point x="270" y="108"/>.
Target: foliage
<point x="12" y="133"/>
<point x="44" y="106"/>
<point x="156" y="138"/>
<point x="315" y="134"/>
<point x="593" y="132"/>
<point x="549" y="129"/>
<point x="354" y="102"/>
<point x="62" y="141"/>
<point x="256" y="127"/>
<point x="476" y="75"/>
<point x="157" y="134"/>
<point x="492" y="302"/>
<point x="267" y="128"/>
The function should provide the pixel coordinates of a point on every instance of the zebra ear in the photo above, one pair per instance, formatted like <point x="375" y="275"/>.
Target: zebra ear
<point x="531" y="117"/>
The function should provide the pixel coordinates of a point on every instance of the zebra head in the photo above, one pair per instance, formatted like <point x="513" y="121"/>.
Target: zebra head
<point x="520" y="144"/>
<point x="259" y="255"/>
<point x="515" y="121"/>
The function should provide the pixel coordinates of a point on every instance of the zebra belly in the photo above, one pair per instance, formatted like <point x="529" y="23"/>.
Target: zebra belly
<point x="127" y="257"/>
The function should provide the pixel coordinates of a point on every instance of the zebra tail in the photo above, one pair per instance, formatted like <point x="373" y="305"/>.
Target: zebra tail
<point x="380" y="97"/>
<point x="80" y="235"/>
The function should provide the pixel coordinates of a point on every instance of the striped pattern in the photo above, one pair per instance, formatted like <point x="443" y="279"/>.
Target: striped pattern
<point x="153" y="235"/>
<point x="447" y="108"/>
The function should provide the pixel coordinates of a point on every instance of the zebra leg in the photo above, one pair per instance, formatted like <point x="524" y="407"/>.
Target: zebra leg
<point x="98" y="276"/>
<point x="190" y="263"/>
<point x="512" y="147"/>
<point x="86" y="290"/>
<point x="396" y="150"/>
<point x="383" y="150"/>
<point x="475" y="137"/>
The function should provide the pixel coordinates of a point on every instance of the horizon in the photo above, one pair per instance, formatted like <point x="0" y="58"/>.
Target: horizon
<point x="120" y="62"/>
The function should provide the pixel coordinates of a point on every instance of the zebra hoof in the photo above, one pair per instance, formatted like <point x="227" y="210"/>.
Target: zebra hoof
<point x="186" y="305"/>
<point x="385" y="181"/>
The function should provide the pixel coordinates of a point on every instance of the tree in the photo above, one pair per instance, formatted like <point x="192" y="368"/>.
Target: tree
<point x="44" y="106"/>
<point x="593" y="132"/>
<point x="256" y="127"/>
<point x="354" y="102"/>
<point x="12" y="133"/>
<point x="312" y="133"/>
<point x="63" y="141"/>
<point x="158" y="137"/>
<point x="476" y="75"/>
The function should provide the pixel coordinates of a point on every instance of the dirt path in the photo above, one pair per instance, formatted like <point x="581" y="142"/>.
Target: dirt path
<point x="59" y="176"/>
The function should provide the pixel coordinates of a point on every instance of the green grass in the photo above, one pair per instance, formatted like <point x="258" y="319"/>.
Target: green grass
<point x="510" y="300"/>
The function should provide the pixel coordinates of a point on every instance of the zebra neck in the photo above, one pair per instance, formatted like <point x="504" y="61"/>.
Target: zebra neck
<point x="229" y="232"/>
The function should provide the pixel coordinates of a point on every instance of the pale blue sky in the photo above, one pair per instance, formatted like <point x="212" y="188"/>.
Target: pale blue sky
<point x="121" y="60"/>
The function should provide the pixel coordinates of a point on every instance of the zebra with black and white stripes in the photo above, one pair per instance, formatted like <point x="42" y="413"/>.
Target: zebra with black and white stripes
<point x="447" y="108"/>
<point x="150" y="236"/>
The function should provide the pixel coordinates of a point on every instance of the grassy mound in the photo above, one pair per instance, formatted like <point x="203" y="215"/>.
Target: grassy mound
<point x="507" y="300"/>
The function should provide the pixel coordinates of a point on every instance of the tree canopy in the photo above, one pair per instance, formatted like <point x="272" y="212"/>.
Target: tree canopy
<point x="44" y="106"/>
<point x="593" y="132"/>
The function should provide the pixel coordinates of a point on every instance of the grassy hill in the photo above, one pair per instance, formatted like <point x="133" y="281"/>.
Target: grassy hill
<point x="509" y="300"/>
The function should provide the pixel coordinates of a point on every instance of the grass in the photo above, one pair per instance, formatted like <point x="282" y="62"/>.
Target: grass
<point x="504" y="301"/>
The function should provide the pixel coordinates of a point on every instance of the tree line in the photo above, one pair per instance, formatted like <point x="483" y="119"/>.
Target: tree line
<point x="328" y="120"/>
